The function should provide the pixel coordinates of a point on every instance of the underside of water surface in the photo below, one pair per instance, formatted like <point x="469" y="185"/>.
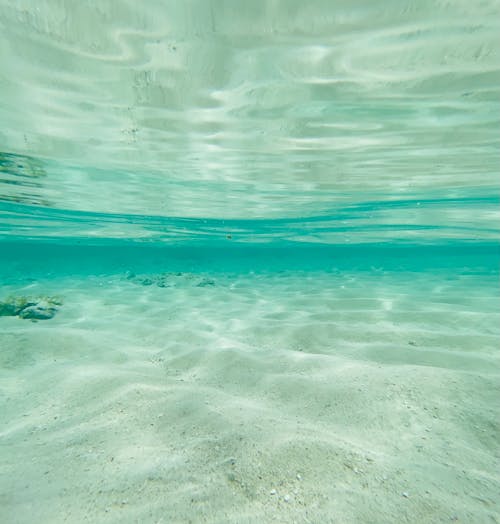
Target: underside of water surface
<point x="249" y="261"/>
<point x="286" y="120"/>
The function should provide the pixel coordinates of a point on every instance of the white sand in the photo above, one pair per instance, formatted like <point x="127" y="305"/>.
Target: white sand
<point x="266" y="398"/>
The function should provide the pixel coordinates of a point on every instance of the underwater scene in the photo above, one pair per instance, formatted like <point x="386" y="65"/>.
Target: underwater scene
<point x="249" y="261"/>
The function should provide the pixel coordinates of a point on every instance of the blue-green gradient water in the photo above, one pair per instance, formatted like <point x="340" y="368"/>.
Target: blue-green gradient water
<point x="261" y="241"/>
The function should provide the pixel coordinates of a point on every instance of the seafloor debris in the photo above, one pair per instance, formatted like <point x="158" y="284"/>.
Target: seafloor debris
<point x="32" y="308"/>
<point x="170" y="279"/>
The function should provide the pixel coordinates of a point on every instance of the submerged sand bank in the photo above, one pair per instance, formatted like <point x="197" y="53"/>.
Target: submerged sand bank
<point x="290" y="397"/>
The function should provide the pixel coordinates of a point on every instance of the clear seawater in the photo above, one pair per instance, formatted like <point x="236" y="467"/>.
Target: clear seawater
<point x="272" y="231"/>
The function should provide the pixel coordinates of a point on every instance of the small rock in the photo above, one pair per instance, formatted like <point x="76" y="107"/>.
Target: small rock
<point x="272" y="492"/>
<point x="299" y="476"/>
<point x="405" y="494"/>
<point x="206" y="282"/>
<point x="40" y="311"/>
<point x="287" y="498"/>
<point x="40" y="308"/>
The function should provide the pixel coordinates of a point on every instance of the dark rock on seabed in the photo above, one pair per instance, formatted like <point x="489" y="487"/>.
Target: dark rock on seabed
<point x="31" y="308"/>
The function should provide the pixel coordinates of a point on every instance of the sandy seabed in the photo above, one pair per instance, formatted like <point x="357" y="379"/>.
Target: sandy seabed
<point x="287" y="397"/>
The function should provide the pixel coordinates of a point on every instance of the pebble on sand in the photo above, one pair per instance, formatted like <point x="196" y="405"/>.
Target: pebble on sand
<point x="31" y="308"/>
<point x="39" y="311"/>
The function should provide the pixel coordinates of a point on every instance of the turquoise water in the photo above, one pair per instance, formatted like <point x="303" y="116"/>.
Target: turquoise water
<point x="249" y="262"/>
